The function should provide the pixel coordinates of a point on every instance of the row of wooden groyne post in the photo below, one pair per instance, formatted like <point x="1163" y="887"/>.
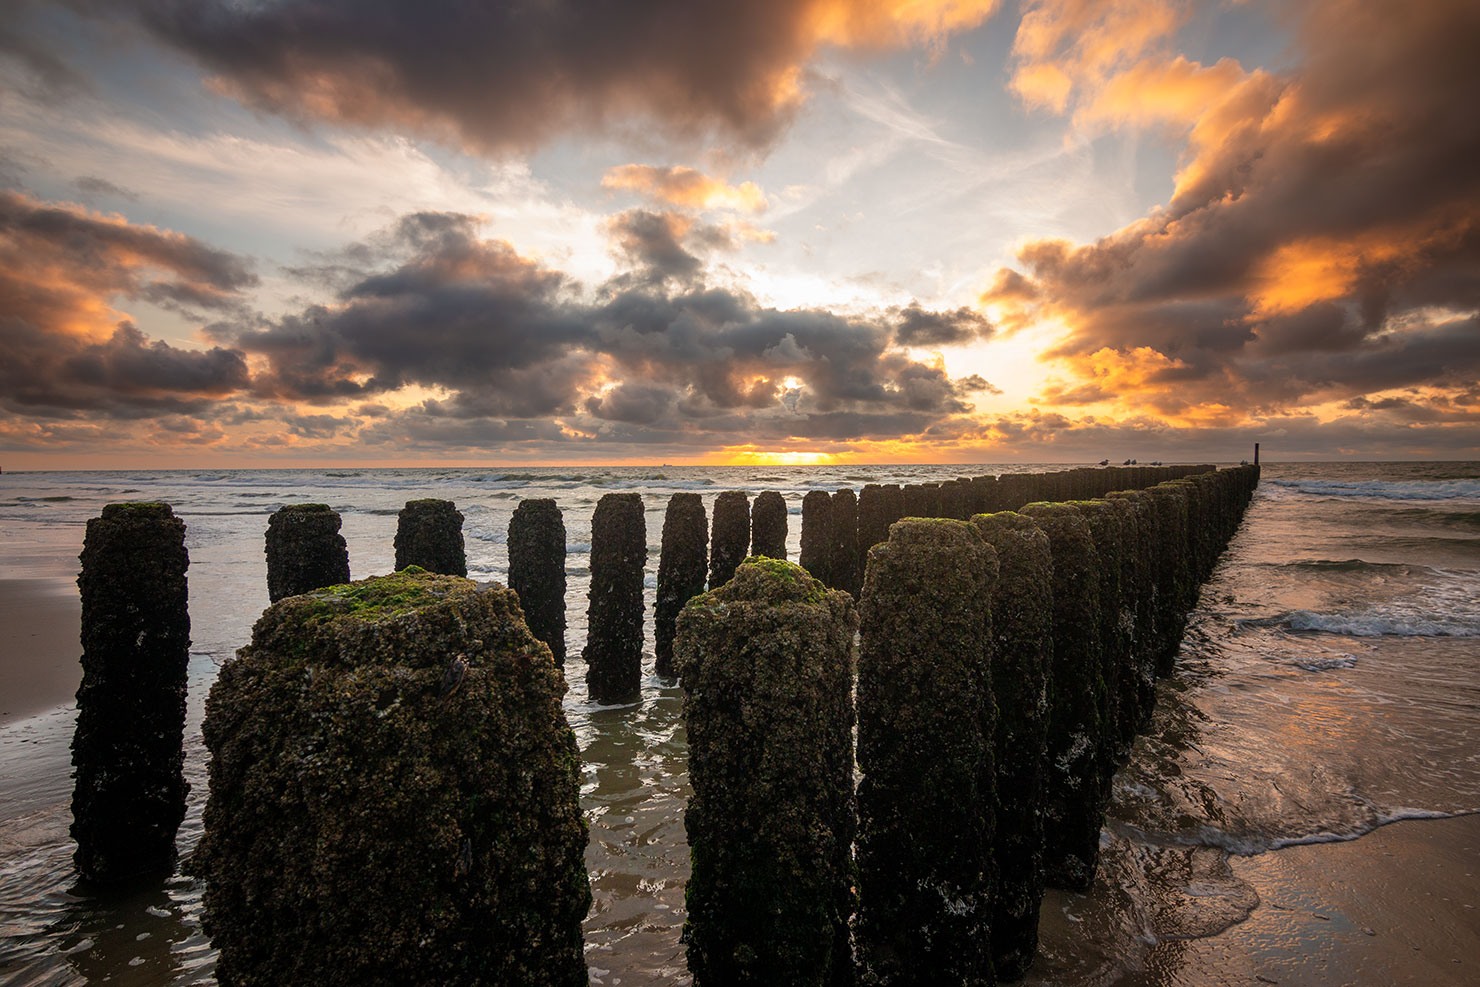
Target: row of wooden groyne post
<point x="394" y="786"/>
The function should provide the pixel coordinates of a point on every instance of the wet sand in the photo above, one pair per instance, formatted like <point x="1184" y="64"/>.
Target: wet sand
<point x="39" y="667"/>
<point x="1401" y="905"/>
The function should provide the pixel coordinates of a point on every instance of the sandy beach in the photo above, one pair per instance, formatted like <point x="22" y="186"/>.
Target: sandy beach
<point x="1401" y="905"/>
<point x="39" y="667"/>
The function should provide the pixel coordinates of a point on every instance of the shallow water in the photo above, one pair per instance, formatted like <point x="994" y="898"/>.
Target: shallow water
<point x="1327" y="685"/>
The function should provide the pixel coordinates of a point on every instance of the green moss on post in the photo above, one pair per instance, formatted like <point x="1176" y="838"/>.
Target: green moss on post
<point x="1073" y="810"/>
<point x="614" y="615"/>
<point x="1022" y="668"/>
<point x="729" y="537"/>
<point x="681" y="571"/>
<point x="843" y="567"/>
<point x="305" y="550"/>
<point x="768" y="525"/>
<point x="816" y="553"/>
<point x="394" y="794"/>
<point x="926" y="723"/>
<point x="130" y="791"/>
<point x="537" y="569"/>
<point x="766" y="662"/>
<point x="429" y="535"/>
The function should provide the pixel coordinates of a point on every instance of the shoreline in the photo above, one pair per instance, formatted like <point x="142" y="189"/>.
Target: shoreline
<point x="40" y="668"/>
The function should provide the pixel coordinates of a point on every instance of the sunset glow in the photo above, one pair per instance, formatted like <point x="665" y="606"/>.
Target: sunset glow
<point x="823" y="232"/>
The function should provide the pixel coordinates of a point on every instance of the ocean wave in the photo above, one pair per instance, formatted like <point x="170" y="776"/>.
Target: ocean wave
<point x="1249" y="845"/>
<point x="1373" y="622"/>
<point x="1465" y="489"/>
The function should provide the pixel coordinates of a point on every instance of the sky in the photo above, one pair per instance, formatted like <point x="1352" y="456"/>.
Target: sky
<point x="302" y="232"/>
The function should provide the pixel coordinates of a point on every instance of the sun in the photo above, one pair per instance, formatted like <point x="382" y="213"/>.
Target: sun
<point x="751" y="456"/>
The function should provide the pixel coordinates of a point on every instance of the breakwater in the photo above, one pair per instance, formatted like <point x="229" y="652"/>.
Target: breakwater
<point x="1063" y="486"/>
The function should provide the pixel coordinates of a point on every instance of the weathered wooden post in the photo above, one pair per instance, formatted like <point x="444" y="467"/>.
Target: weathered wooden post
<point x="1022" y="668"/>
<point x="1139" y="601"/>
<point x="729" y="537"/>
<point x="925" y="823"/>
<point x="816" y="553"/>
<point x="1119" y="711"/>
<point x="429" y="535"/>
<point x="1175" y="592"/>
<point x="768" y="525"/>
<point x="1073" y="810"/>
<point x="393" y="794"/>
<point x="304" y="550"/>
<point x="130" y="789"/>
<point x="766" y="662"/>
<point x="614" y="616"/>
<point x="681" y="570"/>
<point x="537" y="569"/>
<point x="843" y="566"/>
<point x="953" y="500"/>
<point x="873" y="520"/>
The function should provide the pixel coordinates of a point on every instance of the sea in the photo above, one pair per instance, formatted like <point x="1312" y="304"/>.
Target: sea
<point x="1328" y="684"/>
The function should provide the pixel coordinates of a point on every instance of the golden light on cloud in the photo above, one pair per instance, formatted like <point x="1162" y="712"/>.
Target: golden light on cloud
<point x="683" y="186"/>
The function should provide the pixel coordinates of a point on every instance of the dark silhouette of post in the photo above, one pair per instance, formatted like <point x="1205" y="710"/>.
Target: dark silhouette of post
<point x="614" y="616"/>
<point x="429" y="535"/>
<point x="130" y="788"/>
<point x="768" y="525"/>
<point x="729" y="537"/>
<point x="925" y="821"/>
<point x="766" y="662"/>
<point x="537" y="569"/>
<point x="305" y="550"/>
<point x="682" y="567"/>
<point x="873" y="520"/>
<point x="409" y="813"/>
<point x="843" y="567"/>
<point x="816" y="553"/>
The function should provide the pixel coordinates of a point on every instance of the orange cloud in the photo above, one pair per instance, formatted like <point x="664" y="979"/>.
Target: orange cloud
<point x="682" y="186"/>
<point x="1067" y="45"/>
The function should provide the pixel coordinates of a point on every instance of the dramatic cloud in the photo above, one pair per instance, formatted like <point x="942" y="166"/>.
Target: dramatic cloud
<point x="1323" y="241"/>
<point x="503" y="76"/>
<point x="64" y="349"/>
<point x="920" y="327"/>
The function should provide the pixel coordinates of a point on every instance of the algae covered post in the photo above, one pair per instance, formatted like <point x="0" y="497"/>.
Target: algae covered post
<point x="766" y="666"/>
<point x="130" y="791"/>
<point x="394" y="794"/>
<point x="729" y="537"/>
<point x="429" y="535"/>
<point x="768" y="525"/>
<point x="1022" y="663"/>
<point x="1072" y="809"/>
<point x="537" y="569"/>
<point x="304" y="550"/>
<point x="926" y="723"/>
<point x="681" y="571"/>
<point x="614" y="617"/>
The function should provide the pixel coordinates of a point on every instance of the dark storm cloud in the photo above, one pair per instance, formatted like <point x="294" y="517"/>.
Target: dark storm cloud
<point x="920" y="327"/>
<point x="1318" y="218"/>
<point x="64" y="350"/>
<point x="505" y="76"/>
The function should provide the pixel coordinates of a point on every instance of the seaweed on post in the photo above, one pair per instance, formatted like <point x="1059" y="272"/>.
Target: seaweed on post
<point x="729" y="537"/>
<point x="394" y="794"/>
<point x="766" y="663"/>
<point x="925" y="823"/>
<point x="429" y="536"/>
<point x="305" y="550"/>
<point x="537" y="569"/>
